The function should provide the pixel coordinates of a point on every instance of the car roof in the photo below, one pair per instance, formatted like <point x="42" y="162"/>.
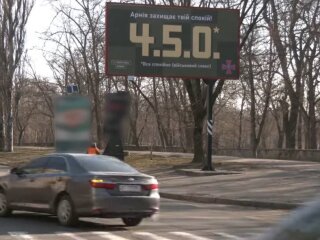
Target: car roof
<point x="75" y="155"/>
<point x="67" y="154"/>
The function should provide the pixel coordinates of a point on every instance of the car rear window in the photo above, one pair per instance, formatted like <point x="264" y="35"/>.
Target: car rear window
<point x="96" y="163"/>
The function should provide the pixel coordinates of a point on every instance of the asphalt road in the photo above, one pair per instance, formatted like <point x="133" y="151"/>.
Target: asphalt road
<point x="177" y="220"/>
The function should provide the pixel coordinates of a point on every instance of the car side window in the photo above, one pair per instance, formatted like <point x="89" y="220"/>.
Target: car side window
<point x="36" y="166"/>
<point x="56" y="165"/>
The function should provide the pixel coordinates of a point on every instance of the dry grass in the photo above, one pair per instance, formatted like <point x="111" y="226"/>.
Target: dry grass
<point x="144" y="161"/>
<point x="139" y="161"/>
<point x="21" y="155"/>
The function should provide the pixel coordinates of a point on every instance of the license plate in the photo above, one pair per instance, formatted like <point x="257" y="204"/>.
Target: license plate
<point x="130" y="188"/>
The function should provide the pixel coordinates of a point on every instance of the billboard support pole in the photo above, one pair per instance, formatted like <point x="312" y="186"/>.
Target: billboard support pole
<point x="208" y="166"/>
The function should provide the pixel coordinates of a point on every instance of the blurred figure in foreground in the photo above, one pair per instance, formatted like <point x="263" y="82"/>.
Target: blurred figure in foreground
<point x="117" y="106"/>
<point x="303" y="224"/>
<point x="93" y="149"/>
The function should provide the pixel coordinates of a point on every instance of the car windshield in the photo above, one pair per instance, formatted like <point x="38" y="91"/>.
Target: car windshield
<point x="98" y="163"/>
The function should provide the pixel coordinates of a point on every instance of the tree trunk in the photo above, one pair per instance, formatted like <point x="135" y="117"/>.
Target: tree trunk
<point x="299" y="131"/>
<point x="197" y="100"/>
<point x="168" y="112"/>
<point x="98" y="123"/>
<point x="285" y="119"/>
<point x="9" y="129"/>
<point x="134" y="132"/>
<point x="292" y="125"/>
<point x="240" y="122"/>
<point x="198" y="140"/>
<point x="253" y="135"/>
<point x="1" y="126"/>
<point x="313" y="133"/>
<point x="312" y="127"/>
<point x="280" y="139"/>
<point x="133" y="118"/>
<point x="20" y="137"/>
<point x="301" y="120"/>
<point x="312" y="121"/>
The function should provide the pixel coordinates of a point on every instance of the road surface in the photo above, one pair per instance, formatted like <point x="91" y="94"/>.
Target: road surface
<point x="178" y="220"/>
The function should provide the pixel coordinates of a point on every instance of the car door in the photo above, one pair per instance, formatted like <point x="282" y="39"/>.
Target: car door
<point x="55" y="179"/>
<point x="22" y="191"/>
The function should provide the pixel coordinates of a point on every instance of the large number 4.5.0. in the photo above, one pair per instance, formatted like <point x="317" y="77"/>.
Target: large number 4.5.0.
<point x="198" y="32"/>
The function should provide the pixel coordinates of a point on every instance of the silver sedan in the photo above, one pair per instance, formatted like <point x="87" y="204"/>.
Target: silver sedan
<point x="80" y="185"/>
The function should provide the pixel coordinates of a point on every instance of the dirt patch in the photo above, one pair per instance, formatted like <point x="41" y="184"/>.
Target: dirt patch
<point x="141" y="162"/>
<point x="144" y="162"/>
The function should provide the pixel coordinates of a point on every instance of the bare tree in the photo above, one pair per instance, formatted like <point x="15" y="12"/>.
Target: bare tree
<point x="14" y="15"/>
<point x="79" y="56"/>
<point x="259" y="73"/>
<point x="154" y="105"/>
<point x="292" y="41"/>
<point x="197" y="90"/>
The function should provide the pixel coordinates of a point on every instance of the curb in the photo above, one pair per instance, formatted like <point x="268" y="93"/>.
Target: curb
<point x="225" y="201"/>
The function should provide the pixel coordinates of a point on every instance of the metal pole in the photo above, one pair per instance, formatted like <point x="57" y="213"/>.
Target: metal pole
<point x="209" y="127"/>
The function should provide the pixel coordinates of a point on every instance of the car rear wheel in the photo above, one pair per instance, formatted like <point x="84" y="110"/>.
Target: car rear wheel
<point x="5" y="211"/>
<point x="66" y="212"/>
<point x="132" y="222"/>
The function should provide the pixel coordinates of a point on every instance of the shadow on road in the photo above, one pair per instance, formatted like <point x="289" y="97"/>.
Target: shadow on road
<point x="44" y="224"/>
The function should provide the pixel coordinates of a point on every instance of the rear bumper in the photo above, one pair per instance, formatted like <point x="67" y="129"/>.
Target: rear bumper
<point x="121" y="215"/>
<point x="124" y="206"/>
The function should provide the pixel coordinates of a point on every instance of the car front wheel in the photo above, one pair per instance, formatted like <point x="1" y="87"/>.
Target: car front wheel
<point x="132" y="222"/>
<point x="66" y="212"/>
<point x="5" y="211"/>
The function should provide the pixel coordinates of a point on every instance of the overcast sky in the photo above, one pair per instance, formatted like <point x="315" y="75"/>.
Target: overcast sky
<point x="39" y="21"/>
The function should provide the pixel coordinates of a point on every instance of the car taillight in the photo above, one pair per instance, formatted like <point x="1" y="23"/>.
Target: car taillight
<point x="151" y="187"/>
<point x="99" y="183"/>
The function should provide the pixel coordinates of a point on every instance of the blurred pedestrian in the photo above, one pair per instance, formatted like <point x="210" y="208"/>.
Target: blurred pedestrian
<point x="93" y="149"/>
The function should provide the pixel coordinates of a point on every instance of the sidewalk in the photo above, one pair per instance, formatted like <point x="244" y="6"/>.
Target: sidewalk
<point x="274" y="184"/>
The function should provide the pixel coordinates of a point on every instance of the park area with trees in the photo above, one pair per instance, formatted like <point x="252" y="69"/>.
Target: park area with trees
<point x="274" y="105"/>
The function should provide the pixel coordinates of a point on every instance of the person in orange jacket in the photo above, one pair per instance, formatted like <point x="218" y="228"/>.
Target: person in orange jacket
<point x="93" y="149"/>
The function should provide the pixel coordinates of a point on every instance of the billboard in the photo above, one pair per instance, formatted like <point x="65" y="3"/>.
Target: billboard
<point x="72" y="119"/>
<point x="166" y="41"/>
